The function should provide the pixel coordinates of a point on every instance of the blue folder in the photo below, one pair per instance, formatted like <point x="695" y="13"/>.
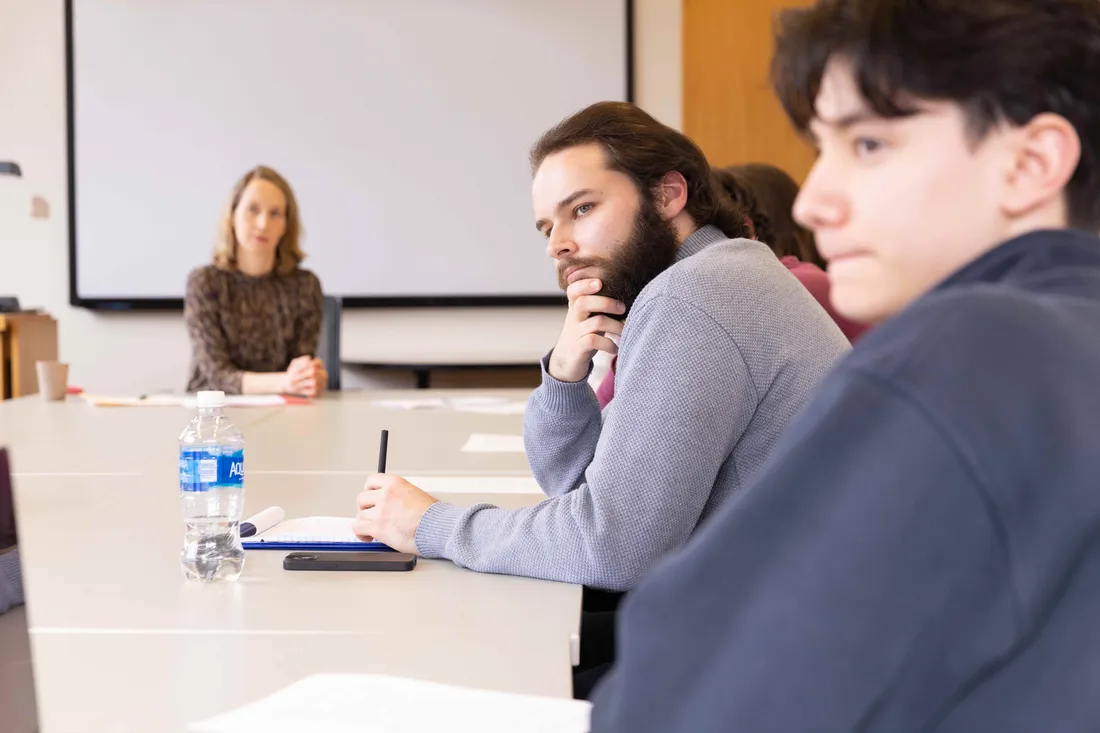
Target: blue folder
<point x="250" y="544"/>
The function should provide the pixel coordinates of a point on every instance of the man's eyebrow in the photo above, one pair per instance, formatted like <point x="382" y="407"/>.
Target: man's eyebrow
<point x="843" y="122"/>
<point x="541" y="223"/>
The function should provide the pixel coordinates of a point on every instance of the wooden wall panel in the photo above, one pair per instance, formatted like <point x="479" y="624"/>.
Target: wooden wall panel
<point x="728" y="105"/>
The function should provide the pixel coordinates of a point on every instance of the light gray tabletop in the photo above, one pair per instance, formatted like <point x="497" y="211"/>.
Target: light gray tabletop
<point x="342" y="435"/>
<point x="140" y="683"/>
<point x="71" y="436"/>
<point x="122" y="642"/>
<point x="336" y="433"/>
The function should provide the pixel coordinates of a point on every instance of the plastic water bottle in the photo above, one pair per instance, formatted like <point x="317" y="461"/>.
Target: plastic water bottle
<point x="212" y="493"/>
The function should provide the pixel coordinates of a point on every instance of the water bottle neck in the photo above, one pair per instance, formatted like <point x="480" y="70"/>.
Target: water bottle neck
<point x="210" y="412"/>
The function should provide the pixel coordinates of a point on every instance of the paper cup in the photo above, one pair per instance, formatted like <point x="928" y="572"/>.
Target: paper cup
<point x="53" y="380"/>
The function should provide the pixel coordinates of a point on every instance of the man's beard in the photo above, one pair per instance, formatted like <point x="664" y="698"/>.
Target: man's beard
<point x="647" y="252"/>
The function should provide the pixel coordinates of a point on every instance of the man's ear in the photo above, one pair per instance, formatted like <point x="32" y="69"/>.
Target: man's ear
<point x="672" y="195"/>
<point x="1046" y="152"/>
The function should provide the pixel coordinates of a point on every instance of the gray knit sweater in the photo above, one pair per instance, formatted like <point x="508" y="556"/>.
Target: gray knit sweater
<point x="718" y="355"/>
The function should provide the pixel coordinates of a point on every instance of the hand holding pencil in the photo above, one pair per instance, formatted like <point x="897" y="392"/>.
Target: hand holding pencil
<point x="390" y="508"/>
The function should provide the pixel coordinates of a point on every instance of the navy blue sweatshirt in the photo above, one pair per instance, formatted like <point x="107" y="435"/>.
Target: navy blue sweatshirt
<point x="922" y="550"/>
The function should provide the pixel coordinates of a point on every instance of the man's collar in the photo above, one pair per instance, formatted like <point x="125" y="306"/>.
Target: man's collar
<point x="699" y="240"/>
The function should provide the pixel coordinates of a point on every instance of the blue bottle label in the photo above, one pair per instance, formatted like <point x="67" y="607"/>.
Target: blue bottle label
<point x="203" y="469"/>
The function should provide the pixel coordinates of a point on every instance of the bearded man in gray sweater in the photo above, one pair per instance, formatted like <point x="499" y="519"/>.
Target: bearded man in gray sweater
<point x="721" y="349"/>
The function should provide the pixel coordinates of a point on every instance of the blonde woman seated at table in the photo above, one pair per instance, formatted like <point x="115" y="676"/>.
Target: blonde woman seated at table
<point x="254" y="315"/>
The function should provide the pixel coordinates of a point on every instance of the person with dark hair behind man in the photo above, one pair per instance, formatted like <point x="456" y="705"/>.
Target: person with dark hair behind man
<point x="773" y="192"/>
<point x="921" y="551"/>
<point x="767" y="194"/>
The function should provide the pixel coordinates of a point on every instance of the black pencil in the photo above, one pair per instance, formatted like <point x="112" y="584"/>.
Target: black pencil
<point x="383" y="446"/>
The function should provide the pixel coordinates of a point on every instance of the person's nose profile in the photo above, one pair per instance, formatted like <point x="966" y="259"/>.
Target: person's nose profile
<point x="816" y="206"/>
<point x="560" y="246"/>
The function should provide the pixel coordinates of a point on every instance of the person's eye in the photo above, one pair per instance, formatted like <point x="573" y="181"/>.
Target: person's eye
<point x="865" y="146"/>
<point x="582" y="210"/>
<point x="253" y="209"/>
<point x="276" y="214"/>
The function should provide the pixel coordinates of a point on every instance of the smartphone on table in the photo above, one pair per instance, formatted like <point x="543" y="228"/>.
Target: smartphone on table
<point x="385" y="561"/>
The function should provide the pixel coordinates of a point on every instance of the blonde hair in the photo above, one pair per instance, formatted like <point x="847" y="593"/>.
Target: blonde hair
<point x="288" y="253"/>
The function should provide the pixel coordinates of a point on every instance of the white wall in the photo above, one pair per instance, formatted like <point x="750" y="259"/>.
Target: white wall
<point x="658" y="59"/>
<point x="129" y="352"/>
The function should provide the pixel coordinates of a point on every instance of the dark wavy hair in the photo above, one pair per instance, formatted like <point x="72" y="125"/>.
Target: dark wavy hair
<point x="646" y="150"/>
<point x="767" y="195"/>
<point x="1000" y="60"/>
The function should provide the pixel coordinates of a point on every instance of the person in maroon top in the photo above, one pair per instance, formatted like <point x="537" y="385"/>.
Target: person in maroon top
<point x="767" y="195"/>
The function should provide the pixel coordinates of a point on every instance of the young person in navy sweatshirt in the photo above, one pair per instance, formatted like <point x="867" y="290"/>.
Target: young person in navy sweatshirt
<point x="922" y="549"/>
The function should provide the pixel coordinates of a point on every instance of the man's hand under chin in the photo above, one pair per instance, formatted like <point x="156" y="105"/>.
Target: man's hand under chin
<point x="585" y="332"/>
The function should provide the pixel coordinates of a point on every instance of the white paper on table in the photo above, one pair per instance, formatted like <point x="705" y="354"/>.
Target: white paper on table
<point x="476" y="484"/>
<point x="482" y="405"/>
<point x="423" y="403"/>
<point x="157" y="400"/>
<point x="247" y="400"/>
<point x="475" y="400"/>
<point x="493" y="443"/>
<point x="188" y="401"/>
<point x="507" y="407"/>
<point x="351" y="703"/>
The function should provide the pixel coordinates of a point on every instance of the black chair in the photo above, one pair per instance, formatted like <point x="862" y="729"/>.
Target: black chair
<point x="328" y="349"/>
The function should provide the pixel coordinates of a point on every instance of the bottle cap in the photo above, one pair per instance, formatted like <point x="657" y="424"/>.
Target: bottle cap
<point x="211" y="398"/>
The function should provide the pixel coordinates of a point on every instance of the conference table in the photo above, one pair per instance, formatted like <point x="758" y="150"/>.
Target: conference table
<point x="121" y="642"/>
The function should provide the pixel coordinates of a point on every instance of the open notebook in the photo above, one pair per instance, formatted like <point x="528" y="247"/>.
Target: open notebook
<point x="367" y="703"/>
<point x="310" y="533"/>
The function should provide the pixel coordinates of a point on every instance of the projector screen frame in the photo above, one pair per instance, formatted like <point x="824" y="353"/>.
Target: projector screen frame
<point x="176" y="304"/>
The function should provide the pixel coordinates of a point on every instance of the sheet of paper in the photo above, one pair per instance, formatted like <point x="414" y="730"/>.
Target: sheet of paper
<point x="189" y="401"/>
<point x="476" y="401"/>
<point x="507" y="407"/>
<point x="423" y="403"/>
<point x="488" y="405"/>
<point x="309" y="529"/>
<point x="158" y="400"/>
<point x="346" y="703"/>
<point x="483" y="405"/>
<point x="256" y="400"/>
<point x="476" y="484"/>
<point x="493" y="443"/>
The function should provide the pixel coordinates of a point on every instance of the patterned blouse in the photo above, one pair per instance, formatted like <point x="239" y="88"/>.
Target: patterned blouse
<point x="239" y="323"/>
